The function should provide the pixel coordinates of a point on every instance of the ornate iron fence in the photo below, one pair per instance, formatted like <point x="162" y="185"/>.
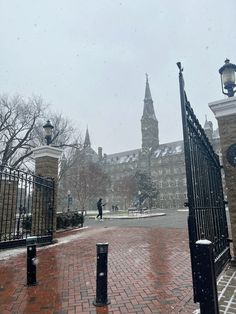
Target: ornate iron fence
<point x="26" y="207"/>
<point x="207" y="215"/>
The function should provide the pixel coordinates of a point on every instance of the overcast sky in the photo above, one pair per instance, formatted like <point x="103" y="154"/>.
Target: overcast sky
<point x="89" y="58"/>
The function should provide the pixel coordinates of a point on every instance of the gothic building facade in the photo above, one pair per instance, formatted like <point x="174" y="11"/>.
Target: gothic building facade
<point x="164" y="163"/>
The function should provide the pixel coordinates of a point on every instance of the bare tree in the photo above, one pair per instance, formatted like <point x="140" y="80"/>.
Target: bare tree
<point x="21" y="129"/>
<point x="126" y="187"/>
<point x="64" y="136"/>
<point x="17" y="121"/>
<point x="85" y="179"/>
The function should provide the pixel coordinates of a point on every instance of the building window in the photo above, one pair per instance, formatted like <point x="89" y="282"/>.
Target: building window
<point x="176" y="182"/>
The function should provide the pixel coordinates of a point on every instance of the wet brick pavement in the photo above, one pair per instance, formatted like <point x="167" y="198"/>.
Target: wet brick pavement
<point x="148" y="272"/>
<point x="227" y="291"/>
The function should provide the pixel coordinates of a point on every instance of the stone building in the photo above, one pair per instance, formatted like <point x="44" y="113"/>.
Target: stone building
<point x="163" y="162"/>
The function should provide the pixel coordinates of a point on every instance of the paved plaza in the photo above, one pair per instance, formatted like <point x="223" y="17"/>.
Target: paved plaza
<point x="148" y="271"/>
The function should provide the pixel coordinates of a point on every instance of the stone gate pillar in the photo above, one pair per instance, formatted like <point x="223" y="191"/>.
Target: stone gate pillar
<point x="225" y="113"/>
<point x="46" y="165"/>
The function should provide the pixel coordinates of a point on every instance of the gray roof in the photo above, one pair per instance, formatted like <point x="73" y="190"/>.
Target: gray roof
<point x="172" y="148"/>
<point x="166" y="149"/>
<point x="127" y="156"/>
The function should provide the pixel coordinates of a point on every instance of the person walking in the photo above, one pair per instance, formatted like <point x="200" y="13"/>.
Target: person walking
<point x="99" y="208"/>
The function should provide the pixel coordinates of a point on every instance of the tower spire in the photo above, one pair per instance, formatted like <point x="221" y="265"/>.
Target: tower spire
<point x="147" y="90"/>
<point x="148" y="109"/>
<point x="87" y="142"/>
<point x="149" y="123"/>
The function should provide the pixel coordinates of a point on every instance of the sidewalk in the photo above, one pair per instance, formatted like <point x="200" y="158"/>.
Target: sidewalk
<point x="148" y="272"/>
<point x="227" y="291"/>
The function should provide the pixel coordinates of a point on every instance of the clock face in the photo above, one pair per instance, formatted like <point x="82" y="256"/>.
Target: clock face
<point x="231" y="155"/>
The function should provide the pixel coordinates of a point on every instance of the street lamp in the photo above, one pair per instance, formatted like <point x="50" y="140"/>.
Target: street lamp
<point x="69" y="199"/>
<point x="227" y="72"/>
<point x="48" y="132"/>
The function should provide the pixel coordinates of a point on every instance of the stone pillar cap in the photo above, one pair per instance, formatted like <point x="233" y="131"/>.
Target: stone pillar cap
<point x="223" y="107"/>
<point x="47" y="151"/>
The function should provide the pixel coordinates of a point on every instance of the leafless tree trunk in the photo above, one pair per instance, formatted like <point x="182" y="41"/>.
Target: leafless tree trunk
<point x="21" y="129"/>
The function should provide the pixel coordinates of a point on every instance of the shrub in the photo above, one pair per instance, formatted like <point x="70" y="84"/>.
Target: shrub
<point x="71" y="219"/>
<point x="27" y="223"/>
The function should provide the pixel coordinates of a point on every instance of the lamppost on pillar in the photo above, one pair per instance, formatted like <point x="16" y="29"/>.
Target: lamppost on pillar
<point x="48" y="127"/>
<point x="47" y="165"/>
<point x="225" y="113"/>
<point x="227" y="72"/>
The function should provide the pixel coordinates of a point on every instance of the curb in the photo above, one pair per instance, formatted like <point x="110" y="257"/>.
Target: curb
<point x="138" y="216"/>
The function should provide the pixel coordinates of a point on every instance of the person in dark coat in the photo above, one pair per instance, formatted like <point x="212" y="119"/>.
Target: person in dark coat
<point x="99" y="207"/>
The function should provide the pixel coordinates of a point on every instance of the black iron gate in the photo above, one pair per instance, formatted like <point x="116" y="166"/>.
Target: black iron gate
<point x="207" y="215"/>
<point x="26" y="207"/>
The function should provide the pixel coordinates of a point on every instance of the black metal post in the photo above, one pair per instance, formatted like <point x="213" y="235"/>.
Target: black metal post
<point x="101" y="288"/>
<point x="31" y="261"/>
<point x="83" y="216"/>
<point x="205" y="278"/>
<point x="68" y="203"/>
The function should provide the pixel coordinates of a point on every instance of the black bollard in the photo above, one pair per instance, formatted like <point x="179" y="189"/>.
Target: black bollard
<point x="205" y="278"/>
<point x="31" y="261"/>
<point x="101" y="287"/>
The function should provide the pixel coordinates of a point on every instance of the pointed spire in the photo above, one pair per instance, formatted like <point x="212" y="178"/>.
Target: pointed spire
<point x="148" y="110"/>
<point x="207" y="124"/>
<point x="87" y="142"/>
<point x="149" y="123"/>
<point x="147" y="90"/>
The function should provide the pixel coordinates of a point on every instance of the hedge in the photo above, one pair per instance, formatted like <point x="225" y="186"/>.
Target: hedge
<point x="64" y="220"/>
<point x="70" y="219"/>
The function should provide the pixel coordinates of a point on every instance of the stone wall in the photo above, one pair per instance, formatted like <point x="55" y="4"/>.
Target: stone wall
<point x="46" y="167"/>
<point x="227" y="130"/>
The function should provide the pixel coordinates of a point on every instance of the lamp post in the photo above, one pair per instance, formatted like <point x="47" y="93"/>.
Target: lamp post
<point x="225" y="113"/>
<point x="69" y="199"/>
<point x="48" y="127"/>
<point x="227" y="72"/>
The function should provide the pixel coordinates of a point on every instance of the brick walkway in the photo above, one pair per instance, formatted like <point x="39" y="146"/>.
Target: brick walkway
<point x="227" y="291"/>
<point x="149" y="272"/>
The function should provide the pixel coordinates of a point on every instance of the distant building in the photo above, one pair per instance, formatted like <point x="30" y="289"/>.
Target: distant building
<point x="163" y="162"/>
